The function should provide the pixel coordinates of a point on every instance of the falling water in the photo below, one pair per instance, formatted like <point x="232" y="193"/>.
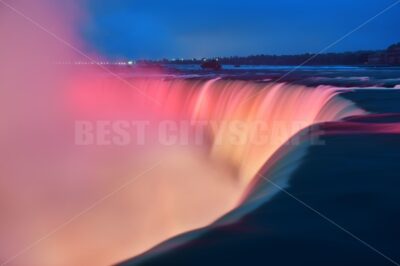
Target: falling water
<point x="246" y="123"/>
<point x="68" y="204"/>
<point x="162" y="190"/>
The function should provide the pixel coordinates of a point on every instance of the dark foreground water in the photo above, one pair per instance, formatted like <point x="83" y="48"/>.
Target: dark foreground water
<point x="342" y="203"/>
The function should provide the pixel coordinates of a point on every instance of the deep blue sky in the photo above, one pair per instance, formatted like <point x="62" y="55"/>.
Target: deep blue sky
<point x="203" y="28"/>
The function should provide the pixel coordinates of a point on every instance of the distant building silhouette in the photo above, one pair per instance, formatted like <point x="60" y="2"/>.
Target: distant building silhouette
<point x="211" y="64"/>
<point x="391" y="56"/>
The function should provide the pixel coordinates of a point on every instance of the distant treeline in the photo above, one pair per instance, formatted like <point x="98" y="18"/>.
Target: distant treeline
<point x="389" y="56"/>
<point x="350" y="58"/>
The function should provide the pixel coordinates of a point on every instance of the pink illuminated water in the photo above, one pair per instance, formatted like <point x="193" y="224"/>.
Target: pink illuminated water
<point x="184" y="187"/>
<point x="69" y="204"/>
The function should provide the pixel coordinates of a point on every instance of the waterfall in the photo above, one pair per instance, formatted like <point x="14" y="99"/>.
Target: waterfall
<point x="241" y="124"/>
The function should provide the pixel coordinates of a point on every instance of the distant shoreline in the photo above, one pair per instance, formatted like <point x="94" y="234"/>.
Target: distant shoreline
<point x="372" y="58"/>
<point x="283" y="65"/>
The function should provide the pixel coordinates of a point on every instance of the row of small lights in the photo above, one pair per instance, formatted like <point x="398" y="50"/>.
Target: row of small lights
<point x="193" y="59"/>
<point x="97" y="63"/>
<point x="129" y="63"/>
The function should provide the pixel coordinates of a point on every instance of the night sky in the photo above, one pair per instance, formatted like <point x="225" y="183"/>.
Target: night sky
<point x="203" y="28"/>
